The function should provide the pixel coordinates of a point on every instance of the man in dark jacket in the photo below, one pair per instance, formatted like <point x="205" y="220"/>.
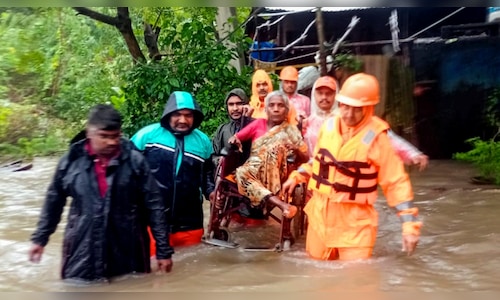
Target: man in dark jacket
<point x="114" y="199"/>
<point x="239" y="113"/>
<point x="179" y="155"/>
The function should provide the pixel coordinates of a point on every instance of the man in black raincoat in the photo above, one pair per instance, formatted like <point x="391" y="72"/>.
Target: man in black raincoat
<point x="114" y="198"/>
<point x="238" y="111"/>
<point x="239" y="114"/>
<point x="179" y="155"/>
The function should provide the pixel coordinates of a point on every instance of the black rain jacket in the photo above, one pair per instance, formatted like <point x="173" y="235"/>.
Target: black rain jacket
<point x="104" y="237"/>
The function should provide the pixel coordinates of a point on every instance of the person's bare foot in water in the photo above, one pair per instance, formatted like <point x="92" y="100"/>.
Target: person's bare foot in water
<point x="289" y="211"/>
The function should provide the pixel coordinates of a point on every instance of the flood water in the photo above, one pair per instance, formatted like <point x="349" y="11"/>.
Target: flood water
<point x="458" y="250"/>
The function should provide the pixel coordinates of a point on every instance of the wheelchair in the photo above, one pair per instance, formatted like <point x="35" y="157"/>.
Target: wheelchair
<point x="229" y="201"/>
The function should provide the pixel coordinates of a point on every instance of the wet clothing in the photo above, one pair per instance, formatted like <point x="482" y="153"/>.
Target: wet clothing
<point x="301" y="103"/>
<point x="227" y="130"/>
<point x="180" y="162"/>
<point x="311" y="126"/>
<point x="105" y="236"/>
<point x="346" y="162"/>
<point x="317" y="249"/>
<point x="224" y="133"/>
<point x="180" y="238"/>
<point x="267" y="167"/>
<point x="258" y="105"/>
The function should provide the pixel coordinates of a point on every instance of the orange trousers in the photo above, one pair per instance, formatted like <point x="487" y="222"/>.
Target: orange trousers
<point x="178" y="239"/>
<point x="317" y="249"/>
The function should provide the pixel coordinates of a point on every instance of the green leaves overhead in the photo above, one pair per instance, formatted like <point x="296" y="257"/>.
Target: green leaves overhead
<point x="60" y="63"/>
<point x="194" y="61"/>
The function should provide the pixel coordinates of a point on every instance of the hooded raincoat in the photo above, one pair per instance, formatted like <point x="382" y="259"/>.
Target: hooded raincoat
<point x="227" y="130"/>
<point x="258" y="105"/>
<point x="105" y="236"/>
<point x="180" y="163"/>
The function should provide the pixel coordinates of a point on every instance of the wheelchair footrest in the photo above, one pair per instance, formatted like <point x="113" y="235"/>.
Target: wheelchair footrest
<point x="220" y="243"/>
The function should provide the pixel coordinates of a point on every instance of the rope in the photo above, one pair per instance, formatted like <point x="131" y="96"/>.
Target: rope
<point x="435" y="23"/>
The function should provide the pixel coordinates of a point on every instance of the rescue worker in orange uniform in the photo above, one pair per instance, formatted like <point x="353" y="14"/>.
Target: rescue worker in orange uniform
<point x="352" y="156"/>
<point x="261" y="86"/>
<point x="289" y="77"/>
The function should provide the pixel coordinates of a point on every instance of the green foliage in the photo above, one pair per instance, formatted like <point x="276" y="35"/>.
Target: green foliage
<point x="55" y="65"/>
<point x="24" y="132"/>
<point x="485" y="155"/>
<point x="492" y="110"/>
<point x="348" y="62"/>
<point x="62" y="62"/>
<point x="17" y="121"/>
<point x="196" y="62"/>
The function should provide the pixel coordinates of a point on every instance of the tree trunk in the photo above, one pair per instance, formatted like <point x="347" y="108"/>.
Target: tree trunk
<point x="321" y="41"/>
<point x="151" y="39"/>
<point x="123" y="23"/>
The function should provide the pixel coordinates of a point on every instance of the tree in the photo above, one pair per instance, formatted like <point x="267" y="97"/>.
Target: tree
<point x="123" y="23"/>
<point x="188" y="55"/>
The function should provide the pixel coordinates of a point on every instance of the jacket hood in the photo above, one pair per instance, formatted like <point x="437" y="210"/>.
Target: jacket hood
<point x="260" y="75"/>
<point x="239" y="93"/>
<point x="181" y="100"/>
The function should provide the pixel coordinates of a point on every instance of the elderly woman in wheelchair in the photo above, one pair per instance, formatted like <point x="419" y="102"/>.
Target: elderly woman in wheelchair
<point x="277" y="149"/>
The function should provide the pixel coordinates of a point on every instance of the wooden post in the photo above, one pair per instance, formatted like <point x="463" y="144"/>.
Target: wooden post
<point x="321" y="41"/>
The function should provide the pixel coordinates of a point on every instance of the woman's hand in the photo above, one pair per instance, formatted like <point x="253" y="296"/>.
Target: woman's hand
<point x="235" y="141"/>
<point x="289" y="185"/>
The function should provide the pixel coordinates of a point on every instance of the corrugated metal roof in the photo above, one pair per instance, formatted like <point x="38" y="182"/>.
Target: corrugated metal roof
<point x="310" y="8"/>
<point x="293" y="10"/>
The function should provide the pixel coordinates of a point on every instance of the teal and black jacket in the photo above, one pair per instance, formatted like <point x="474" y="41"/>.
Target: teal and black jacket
<point x="180" y="163"/>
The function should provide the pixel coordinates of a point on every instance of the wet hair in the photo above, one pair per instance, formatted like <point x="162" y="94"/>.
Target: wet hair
<point x="279" y="94"/>
<point x="104" y="117"/>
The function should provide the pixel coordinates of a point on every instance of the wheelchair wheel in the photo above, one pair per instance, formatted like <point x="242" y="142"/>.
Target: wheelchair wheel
<point x="221" y="234"/>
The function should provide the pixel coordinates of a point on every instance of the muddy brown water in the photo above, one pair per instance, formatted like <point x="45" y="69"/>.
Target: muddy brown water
<point x="458" y="251"/>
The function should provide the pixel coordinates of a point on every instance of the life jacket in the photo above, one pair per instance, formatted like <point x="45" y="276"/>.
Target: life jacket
<point x="343" y="171"/>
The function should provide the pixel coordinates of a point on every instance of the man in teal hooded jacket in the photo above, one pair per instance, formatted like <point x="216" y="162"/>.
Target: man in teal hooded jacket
<point x="178" y="154"/>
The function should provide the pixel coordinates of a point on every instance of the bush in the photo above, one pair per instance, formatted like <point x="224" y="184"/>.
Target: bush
<point x="17" y="121"/>
<point x="485" y="155"/>
<point x="196" y="61"/>
<point x="24" y="132"/>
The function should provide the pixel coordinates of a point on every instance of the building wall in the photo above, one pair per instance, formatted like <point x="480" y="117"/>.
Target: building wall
<point x="455" y="79"/>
